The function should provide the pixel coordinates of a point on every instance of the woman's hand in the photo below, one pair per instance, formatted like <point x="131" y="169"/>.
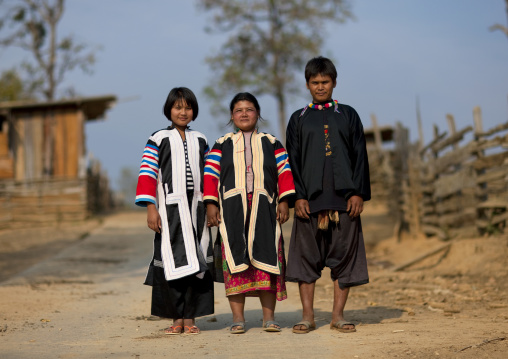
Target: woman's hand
<point x="283" y="211"/>
<point x="302" y="208"/>
<point x="153" y="218"/>
<point x="212" y="215"/>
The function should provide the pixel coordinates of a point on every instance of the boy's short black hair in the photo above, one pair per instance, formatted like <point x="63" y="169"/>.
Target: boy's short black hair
<point x="320" y="66"/>
<point x="181" y="94"/>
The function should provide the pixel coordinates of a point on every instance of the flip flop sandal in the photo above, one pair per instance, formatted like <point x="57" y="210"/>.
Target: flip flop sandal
<point x="191" y="330"/>
<point x="173" y="330"/>
<point x="239" y="330"/>
<point x="340" y="326"/>
<point x="305" y="323"/>
<point x="271" y="326"/>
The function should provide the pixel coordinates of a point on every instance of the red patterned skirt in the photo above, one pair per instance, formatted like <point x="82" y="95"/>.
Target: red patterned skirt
<point x="252" y="280"/>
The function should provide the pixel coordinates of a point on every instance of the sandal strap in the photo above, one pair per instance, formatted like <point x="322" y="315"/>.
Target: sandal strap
<point x="271" y="322"/>
<point x="237" y="324"/>
<point x="304" y="323"/>
<point x="341" y="323"/>
<point x="173" y="329"/>
<point x="191" y="329"/>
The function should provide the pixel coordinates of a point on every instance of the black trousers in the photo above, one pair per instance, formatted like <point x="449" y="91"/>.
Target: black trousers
<point x="340" y="248"/>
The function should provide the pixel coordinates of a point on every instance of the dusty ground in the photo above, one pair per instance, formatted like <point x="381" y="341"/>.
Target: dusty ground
<point x="77" y="293"/>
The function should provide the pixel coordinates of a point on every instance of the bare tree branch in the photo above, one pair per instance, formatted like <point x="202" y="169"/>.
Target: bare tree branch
<point x="32" y="25"/>
<point x="271" y="39"/>
<point x="500" y="27"/>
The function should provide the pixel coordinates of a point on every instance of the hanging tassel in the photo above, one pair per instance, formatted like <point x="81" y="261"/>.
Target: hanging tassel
<point x="323" y="220"/>
<point x="334" y="216"/>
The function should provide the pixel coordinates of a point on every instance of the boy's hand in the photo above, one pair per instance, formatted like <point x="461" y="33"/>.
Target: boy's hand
<point x="283" y="211"/>
<point x="302" y="208"/>
<point x="355" y="206"/>
<point x="212" y="215"/>
<point x="153" y="218"/>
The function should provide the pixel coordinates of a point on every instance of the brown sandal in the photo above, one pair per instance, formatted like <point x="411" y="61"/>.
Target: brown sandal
<point x="173" y="330"/>
<point x="307" y="327"/>
<point x="340" y="326"/>
<point x="191" y="330"/>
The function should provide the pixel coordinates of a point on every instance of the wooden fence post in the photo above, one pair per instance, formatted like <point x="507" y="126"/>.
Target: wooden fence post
<point x="451" y="128"/>
<point x="421" y="141"/>
<point x="478" y="123"/>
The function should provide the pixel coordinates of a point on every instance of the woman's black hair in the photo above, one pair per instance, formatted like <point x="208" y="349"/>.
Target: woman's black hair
<point x="320" y="66"/>
<point x="181" y="94"/>
<point x="245" y="96"/>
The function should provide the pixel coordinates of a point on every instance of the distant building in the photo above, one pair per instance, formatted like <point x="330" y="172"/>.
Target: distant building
<point x="43" y="167"/>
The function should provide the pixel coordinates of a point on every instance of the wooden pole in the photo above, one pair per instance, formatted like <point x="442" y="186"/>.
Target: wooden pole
<point x="478" y="123"/>
<point x="451" y="127"/>
<point x="421" y="142"/>
<point x="422" y="257"/>
<point x="377" y="133"/>
<point x="436" y="137"/>
<point x="478" y="130"/>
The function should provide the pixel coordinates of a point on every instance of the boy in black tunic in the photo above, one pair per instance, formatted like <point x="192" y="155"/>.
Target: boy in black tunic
<point x="328" y="157"/>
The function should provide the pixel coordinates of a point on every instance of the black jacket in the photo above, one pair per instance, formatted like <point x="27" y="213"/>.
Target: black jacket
<point x="306" y="149"/>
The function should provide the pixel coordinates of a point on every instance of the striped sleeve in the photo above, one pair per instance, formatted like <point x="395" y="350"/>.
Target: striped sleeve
<point x="212" y="175"/>
<point x="285" y="177"/>
<point x="147" y="180"/>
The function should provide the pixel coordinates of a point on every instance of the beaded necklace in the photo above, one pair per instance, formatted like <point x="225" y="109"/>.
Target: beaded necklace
<point x="322" y="107"/>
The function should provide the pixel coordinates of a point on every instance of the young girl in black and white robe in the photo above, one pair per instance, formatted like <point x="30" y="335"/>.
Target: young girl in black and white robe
<point x="170" y="186"/>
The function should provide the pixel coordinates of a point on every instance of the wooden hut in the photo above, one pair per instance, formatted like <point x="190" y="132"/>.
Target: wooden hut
<point x="43" y="174"/>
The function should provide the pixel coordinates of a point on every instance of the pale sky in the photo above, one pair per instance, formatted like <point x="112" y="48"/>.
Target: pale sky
<point x="396" y="50"/>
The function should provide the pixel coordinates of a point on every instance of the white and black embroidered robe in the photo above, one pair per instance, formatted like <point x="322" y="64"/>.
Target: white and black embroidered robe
<point x="183" y="247"/>
<point x="225" y="185"/>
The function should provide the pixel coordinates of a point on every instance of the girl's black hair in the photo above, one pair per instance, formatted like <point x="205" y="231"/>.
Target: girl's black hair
<point x="245" y="96"/>
<point x="320" y="66"/>
<point x="181" y="94"/>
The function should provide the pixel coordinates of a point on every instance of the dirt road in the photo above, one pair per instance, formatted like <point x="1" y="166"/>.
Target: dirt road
<point x="87" y="301"/>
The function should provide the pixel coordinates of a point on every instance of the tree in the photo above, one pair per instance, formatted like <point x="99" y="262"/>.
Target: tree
<point x="270" y="40"/>
<point x="127" y="183"/>
<point x="11" y="86"/>
<point x="500" y="27"/>
<point x="32" y="26"/>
